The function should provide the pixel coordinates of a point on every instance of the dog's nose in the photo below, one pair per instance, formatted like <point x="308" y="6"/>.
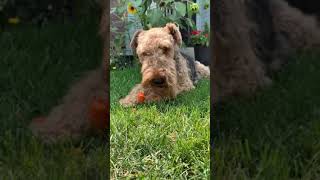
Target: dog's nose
<point x="158" y="81"/>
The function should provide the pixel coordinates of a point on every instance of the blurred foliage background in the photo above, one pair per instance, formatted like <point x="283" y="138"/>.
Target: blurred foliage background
<point x="41" y="12"/>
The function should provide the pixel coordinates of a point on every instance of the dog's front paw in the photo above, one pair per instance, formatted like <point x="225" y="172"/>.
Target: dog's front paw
<point x="45" y="130"/>
<point x="125" y="102"/>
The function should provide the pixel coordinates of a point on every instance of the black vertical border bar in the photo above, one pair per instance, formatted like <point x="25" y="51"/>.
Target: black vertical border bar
<point x="213" y="121"/>
<point x="106" y="56"/>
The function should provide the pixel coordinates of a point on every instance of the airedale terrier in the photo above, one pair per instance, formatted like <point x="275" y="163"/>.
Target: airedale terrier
<point x="166" y="71"/>
<point x="252" y="39"/>
<point x="85" y="106"/>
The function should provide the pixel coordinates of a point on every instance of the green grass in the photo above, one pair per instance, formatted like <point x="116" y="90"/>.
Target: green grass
<point x="36" y="69"/>
<point x="168" y="140"/>
<point x="275" y="134"/>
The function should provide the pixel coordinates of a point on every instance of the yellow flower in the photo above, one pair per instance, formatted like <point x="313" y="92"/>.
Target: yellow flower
<point x="14" y="20"/>
<point x="131" y="8"/>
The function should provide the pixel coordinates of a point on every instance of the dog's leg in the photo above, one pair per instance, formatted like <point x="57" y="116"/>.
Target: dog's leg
<point x="149" y="96"/>
<point x="202" y="70"/>
<point x="131" y="98"/>
<point x="70" y="119"/>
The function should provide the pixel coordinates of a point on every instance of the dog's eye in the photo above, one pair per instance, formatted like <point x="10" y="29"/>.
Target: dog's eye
<point x="164" y="49"/>
<point x="146" y="54"/>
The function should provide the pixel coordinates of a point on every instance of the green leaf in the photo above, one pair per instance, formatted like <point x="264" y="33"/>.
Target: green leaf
<point x="171" y="18"/>
<point x="154" y="17"/>
<point x="121" y="10"/>
<point x="137" y="3"/>
<point x="190" y="23"/>
<point x="147" y="3"/>
<point x="114" y="29"/>
<point x="112" y="10"/>
<point x="180" y="8"/>
<point x="149" y="26"/>
<point x="167" y="2"/>
<point x="181" y="26"/>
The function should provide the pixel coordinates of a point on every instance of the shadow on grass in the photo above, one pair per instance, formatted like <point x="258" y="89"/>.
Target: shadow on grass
<point x="37" y="67"/>
<point x="274" y="134"/>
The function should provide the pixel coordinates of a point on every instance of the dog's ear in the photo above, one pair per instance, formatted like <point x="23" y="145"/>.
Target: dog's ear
<point x="175" y="32"/>
<point x="134" y="40"/>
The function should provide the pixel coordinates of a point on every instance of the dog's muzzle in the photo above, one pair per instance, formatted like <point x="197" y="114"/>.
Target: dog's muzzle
<point x="156" y="78"/>
<point x="158" y="81"/>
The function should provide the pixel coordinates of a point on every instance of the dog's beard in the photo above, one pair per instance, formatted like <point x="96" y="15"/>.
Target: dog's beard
<point x="166" y="90"/>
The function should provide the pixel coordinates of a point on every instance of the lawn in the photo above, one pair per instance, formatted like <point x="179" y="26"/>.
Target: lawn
<point x="168" y="140"/>
<point x="275" y="134"/>
<point x="37" y="66"/>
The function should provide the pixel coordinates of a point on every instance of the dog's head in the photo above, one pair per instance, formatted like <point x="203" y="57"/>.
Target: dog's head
<point x="156" y="49"/>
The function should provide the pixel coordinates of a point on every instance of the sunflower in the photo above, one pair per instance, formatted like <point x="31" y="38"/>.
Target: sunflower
<point x="131" y="8"/>
<point x="14" y="20"/>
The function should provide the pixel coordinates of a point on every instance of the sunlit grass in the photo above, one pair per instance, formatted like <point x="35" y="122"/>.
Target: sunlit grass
<point x="168" y="140"/>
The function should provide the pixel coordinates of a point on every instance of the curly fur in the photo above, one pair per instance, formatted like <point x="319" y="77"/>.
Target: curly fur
<point x="255" y="37"/>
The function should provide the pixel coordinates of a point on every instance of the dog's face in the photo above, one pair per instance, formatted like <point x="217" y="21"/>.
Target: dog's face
<point x="156" y="50"/>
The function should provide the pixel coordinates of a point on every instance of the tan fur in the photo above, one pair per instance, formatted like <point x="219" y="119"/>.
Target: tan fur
<point x="303" y="30"/>
<point x="159" y="55"/>
<point x="237" y="66"/>
<point x="202" y="70"/>
<point x="69" y="119"/>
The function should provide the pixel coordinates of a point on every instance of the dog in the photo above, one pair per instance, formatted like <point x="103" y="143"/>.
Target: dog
<point x="84" y="108"/>
<point x="253" y="39"/>
<point x="166" y="72"/>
